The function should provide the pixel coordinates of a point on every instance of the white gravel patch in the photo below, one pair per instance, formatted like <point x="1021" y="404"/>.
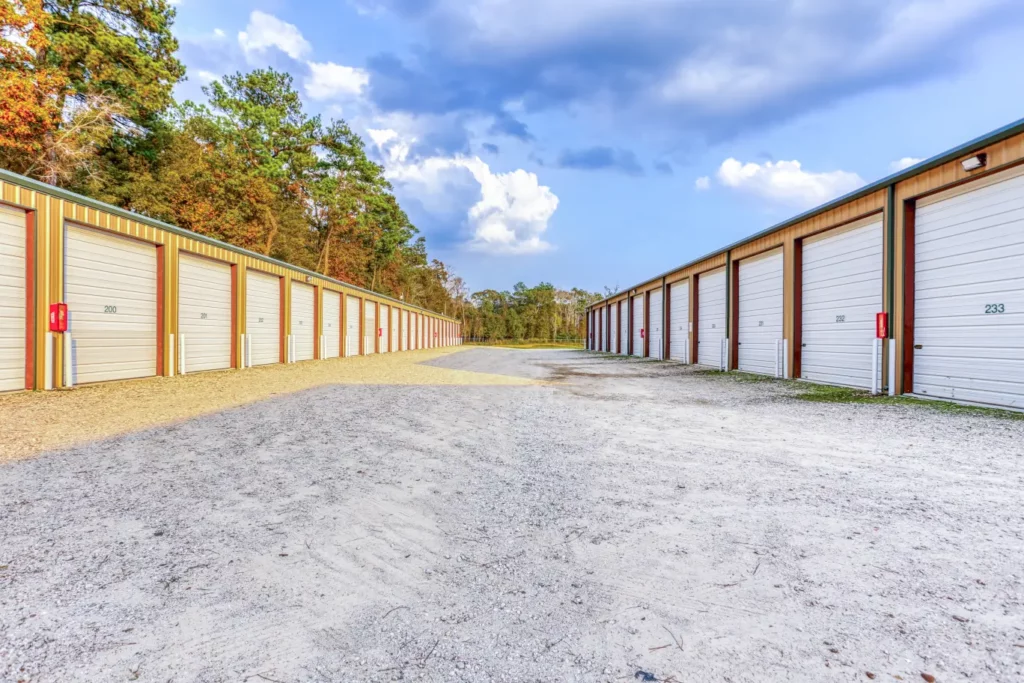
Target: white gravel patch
<point x="625" y="518"/>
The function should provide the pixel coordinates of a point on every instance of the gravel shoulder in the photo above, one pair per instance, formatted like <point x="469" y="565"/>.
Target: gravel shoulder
<point x="33" y="422"/>
<point x="618" y="517"/>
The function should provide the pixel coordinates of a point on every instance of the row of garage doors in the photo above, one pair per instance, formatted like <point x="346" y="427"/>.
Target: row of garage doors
<point x="965" y="339"/>
<point x="111" y="288"/>
<point x="842" y="291"/>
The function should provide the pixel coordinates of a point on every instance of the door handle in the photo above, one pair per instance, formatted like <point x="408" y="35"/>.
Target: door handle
<point x="918" y="346"/>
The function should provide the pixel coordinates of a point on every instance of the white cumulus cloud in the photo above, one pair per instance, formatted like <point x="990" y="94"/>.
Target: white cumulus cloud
<point x="787" y="182"/>
<point x="904" y="163"/>
<point x="328" y="80"/>
<point x="513" y="210"/>
<point x="266" y="31"/>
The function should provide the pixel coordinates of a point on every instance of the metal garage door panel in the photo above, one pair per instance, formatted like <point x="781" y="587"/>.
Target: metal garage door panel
<point x="394" y="328"/>
<point x="385" y="329"/>
<point x="303" y="323"/>
<point x="614" y="327"/>
<point x="351" y="326"/>
<point x="711" y="318"/>
<point x="969" y="295"/>
<point x="332" y="324"/>
<point x="842" y="293"/>
<point x="204" y="314"/>
<point x="406" y="332"/>
<point x="679" y="317"/>
<point x="638" y="325"/>
<point x="656" y="323"/>
<point x="760" y="313"/>
<point x="263" y="317"/>
<point x="12" y="299"/>
<point x="600" y="330"/>
<point x="110" y="289"/>
<point x="369" y="327"/>
<point x="623" y="327"/>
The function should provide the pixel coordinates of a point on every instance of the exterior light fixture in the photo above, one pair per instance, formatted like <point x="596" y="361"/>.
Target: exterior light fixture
<point x="309" y="278"/>
<point x="975" y="162"/>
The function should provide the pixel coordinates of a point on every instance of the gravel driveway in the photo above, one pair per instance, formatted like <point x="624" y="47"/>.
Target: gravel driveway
<point x="617" y="520"/>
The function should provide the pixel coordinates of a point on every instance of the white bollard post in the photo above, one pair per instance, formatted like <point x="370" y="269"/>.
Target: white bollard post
<point x="875" y="348"/>
<point x="785" y="359"/>
<point x="778" y="351"/>
<point x="48" y="361"/>
<point x="892" y="367"/>
<point x="69" y="361"/>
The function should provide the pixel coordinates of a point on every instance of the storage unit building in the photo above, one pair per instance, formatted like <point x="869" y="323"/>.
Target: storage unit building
<point x="303" y="324"/>
<point x="263" y="329"/>
<point x="912" y="284"/>
<point x="145" y="298"/>
<point x="110" y="288"/>
<point x="205" y="314"/>
<point x="759" y="332"/>
<point x="841" y="278"/>
<point x="711" y="319"/>
<point x="679" y="321"/>
<point x="332" y="325"/>
<point x="14" y="278"/>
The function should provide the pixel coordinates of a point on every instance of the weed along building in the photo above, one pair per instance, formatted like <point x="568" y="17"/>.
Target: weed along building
<point x="92" y="293"/>
<point x="911" y="285"/>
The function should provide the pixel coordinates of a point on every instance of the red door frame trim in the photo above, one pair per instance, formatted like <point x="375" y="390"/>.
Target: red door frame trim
<point x="30" y="299"/>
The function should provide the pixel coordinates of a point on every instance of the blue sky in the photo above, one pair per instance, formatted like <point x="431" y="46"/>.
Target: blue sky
<point x="596" y="144"/>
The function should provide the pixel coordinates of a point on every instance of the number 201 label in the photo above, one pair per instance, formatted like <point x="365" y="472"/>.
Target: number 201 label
<point x="995" y="308"/>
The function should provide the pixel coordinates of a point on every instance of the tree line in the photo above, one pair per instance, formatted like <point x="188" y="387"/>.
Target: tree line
<point x="88" y="105"/>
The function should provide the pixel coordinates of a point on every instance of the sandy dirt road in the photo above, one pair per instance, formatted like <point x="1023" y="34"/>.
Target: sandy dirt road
<point x="606" y="520"/>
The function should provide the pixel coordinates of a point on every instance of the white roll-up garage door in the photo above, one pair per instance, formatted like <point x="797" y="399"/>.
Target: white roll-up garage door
<point x="303" y="324"/>
<point x="711" y="323"/>
<point x="263" y="317"/>
<point x="385" y="329"/>
<point x="369" y="327"/>
<point x="395" y="341"/>
<point x="655" y="323"/>
<point x="638" y="325"/>
<point x="841" y="294"/>
<point x="110" y="288"/>
<point x="332" y="324"/>
<point x="406" y="335"/>
<point x="623" y="327"/>
<point x="351" y="326"/>
<point x="614" y="312"/>
<point x="969" y="293"/>
<point x="600" y="329"/>
<point x="679" y="319"/>
<point x="413" y="331"/>
<point x="760" y="314"/>
<point x="204" y="314"/>
<point x="13" y="276"/>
